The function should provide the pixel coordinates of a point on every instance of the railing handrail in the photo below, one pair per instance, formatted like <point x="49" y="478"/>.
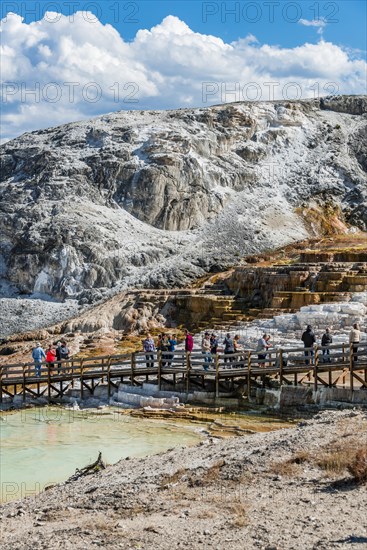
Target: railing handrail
<point x="242" y="356"/>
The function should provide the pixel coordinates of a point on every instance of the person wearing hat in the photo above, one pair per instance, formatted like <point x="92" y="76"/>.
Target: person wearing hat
<point x="38" y="354"/>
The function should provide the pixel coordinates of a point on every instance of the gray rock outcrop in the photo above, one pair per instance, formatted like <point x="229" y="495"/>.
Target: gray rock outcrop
<point x="159" y="198"/>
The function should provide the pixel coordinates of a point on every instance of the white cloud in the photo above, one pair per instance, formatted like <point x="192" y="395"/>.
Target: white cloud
<point x="319" y="23"/>
<point x="313" y="22"/>
<point x="59" y="69"/>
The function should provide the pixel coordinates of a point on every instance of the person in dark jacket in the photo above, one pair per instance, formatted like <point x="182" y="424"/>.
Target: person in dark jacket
<point x="58" y="356"/>
<point x="213" y="344"/>
<point x="228" y="348"/>
<point x="64" y="354"/>
<point x="308" y="339"/>
<point x="326" y="340"/>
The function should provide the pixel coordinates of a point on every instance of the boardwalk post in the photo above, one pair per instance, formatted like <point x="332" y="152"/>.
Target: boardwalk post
<point x="248" y="374"/>
<point x="315" y="368"/>
<point x="109" y="377"/>
<point x="330" y="375"/>
<point x="24" y="382"/>
<point x="281" y="364"/>
<point x="49" y="381"/>
<point x="133" y="360"/>
<point x="72" y="373"/>
<point x="159" y="369"/>
<point x="187" y="357"/>
<point x="351" y="361"/>
<point x="81" y="378"/>
<point x="216" y="375"/>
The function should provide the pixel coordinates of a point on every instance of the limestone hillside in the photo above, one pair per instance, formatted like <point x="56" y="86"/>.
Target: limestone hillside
<point x="159" y="198"/>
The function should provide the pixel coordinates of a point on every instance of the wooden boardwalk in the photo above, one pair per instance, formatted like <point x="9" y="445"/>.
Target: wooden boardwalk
<point x="341" y="367"/>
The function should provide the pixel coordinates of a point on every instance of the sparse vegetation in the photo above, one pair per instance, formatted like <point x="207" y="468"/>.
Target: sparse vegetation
<point x="172" y="479"/>
<point x="335" y="459"/>
<point x="358" y="466"/>
<point x="213" y="473"/>
<point x="239" y="512"/>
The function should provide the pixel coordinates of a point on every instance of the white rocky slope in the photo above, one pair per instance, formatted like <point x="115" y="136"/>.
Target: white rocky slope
<point x="158" y="198"/>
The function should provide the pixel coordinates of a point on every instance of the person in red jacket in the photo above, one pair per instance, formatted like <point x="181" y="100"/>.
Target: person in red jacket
<point x="50" y="357"/>
<point x="189" y="345"/>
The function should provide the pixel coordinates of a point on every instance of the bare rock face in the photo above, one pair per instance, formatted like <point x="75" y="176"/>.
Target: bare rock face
<point x="159" y="198"/>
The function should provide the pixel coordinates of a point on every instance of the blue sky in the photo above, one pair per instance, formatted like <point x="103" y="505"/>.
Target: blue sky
<point x="85" y="58"/>
<point x="271" y="21"/>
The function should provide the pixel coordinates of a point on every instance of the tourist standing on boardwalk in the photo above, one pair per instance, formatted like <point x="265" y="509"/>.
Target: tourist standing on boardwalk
<point x="58" y="356"/>
<point x="213" y="344"/>
<point x="163" y="346"/>
<point x="64" y="351"/>
<point x="38" y="354"/>
<point x="326" y="340"/>
<point x="308" y="339"/>
<point x="262" y="346"/>
<point x="172" y="343"/>
<point x="205" y="348"/>
<point x="354" y="339"/>
<point x="50" y="357"/>
<point x="149" y="348"/>
<point x="236" y="343"/>
<point x="189" y="346"/>
<point x="228" y="347"/>
<point x="236" y="348"/>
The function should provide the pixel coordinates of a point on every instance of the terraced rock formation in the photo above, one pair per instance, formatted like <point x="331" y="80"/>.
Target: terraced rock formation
<point x="157" y="199"/>
<point x="320" y="276"/>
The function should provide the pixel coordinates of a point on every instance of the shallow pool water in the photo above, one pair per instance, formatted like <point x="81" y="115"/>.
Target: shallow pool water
<point x="39" y="447"/>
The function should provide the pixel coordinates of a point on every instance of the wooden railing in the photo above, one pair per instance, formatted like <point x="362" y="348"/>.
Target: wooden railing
<point x="331" y="366"/>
